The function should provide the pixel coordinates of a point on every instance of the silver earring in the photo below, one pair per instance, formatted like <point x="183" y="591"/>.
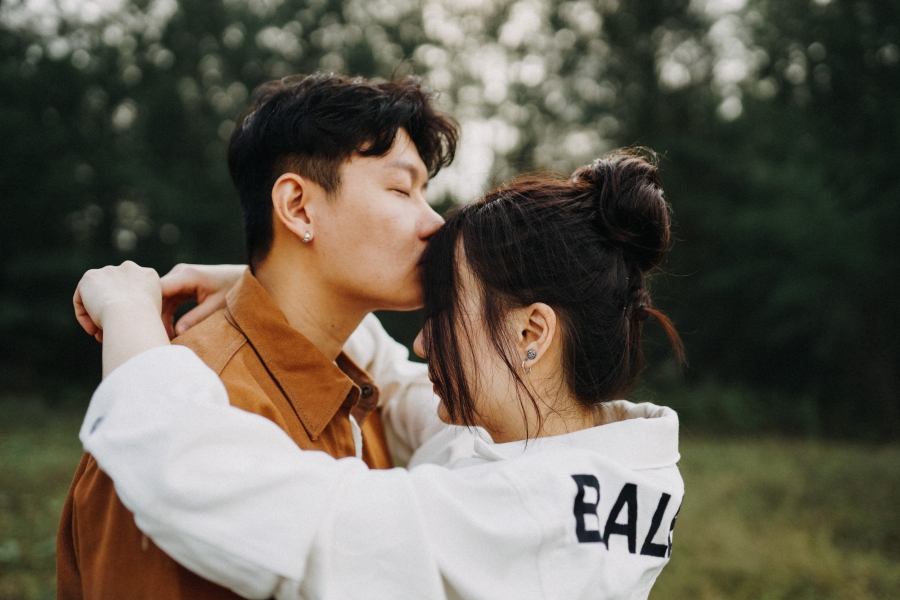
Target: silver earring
<point x="307" y="237"/>
<point x="531" y="355"/>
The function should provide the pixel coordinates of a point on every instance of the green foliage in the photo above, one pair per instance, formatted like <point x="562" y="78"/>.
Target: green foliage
<point x="776" y="121"/>
<point x="788" y="215"/>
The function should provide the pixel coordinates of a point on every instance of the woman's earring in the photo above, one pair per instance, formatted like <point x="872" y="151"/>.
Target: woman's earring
<point x="307" y="237"/>
<point x="531" y="355"/>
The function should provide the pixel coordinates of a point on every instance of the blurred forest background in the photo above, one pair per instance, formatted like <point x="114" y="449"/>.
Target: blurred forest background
<point x="777" y="123"/>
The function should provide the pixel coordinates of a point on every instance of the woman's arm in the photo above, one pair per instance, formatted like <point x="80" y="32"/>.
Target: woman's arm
<point x="230" y="496"/>
<point x="226" y="492"/>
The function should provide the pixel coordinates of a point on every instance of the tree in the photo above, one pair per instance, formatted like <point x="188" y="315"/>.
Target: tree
<point x="776" y="122"/>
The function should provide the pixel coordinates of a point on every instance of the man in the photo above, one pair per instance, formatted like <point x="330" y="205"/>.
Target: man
<point x="331" y="174"/>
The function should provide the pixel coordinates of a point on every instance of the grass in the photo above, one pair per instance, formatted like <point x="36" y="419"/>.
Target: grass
<point x="775" y="519"/>
<point x="39" y="450"/>
<point x="763" y="519"/>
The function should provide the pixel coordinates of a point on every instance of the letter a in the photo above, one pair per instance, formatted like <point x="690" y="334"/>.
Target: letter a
<point x="629" y="528"/>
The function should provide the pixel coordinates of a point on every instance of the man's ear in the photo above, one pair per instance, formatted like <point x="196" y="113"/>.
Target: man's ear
<point x="292" y="200"/>
<point x="537" y="326"/>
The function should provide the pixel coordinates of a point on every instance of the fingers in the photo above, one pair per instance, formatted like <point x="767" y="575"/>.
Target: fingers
<point x="170" y="307"/>
<point x="179" y="285"/>
<point x="200" y="312"/>
<point x="206" y="284"/>
<point x="168" y="319"/>
<point x="84" y="319"/>
<point x="182" y="280"/>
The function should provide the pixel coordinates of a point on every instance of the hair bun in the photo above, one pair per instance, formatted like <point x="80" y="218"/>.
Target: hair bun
<point x="631" y="210"/>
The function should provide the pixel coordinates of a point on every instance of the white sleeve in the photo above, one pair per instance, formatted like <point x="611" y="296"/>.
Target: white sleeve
<point x="229" y="495"/>
<point x="408" y="402"/>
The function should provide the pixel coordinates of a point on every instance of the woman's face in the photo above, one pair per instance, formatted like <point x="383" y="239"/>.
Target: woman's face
<point x="492" y="387"/>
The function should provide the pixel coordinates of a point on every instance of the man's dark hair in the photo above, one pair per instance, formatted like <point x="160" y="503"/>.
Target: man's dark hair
<point x="311" y="125"/>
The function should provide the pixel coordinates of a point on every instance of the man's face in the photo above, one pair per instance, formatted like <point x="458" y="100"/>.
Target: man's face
<point x="372" y="234"/>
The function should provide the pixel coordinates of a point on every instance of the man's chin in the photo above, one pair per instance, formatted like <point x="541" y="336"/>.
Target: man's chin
<point x="414" y="295"/>
<point x="414" y="301"/>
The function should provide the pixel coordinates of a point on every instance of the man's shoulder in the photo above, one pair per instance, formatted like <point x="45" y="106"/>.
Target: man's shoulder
<point x="215" y="340"/>
<point x="225" y="349"/>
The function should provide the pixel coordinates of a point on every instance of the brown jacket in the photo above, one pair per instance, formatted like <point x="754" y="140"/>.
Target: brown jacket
<point x="268" y="368"/>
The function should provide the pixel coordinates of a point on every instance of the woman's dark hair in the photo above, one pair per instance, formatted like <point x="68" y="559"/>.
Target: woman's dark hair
<point x="583" y="246"/>
<point x="311" y="125"/>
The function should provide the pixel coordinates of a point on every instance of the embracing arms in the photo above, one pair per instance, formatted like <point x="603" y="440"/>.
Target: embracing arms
<point x="131" y="295"/>
<point x="230" y="496"/>
<point x="227" y="493"/>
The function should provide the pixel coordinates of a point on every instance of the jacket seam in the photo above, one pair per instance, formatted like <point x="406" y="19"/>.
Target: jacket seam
<point x="228" y="352"/>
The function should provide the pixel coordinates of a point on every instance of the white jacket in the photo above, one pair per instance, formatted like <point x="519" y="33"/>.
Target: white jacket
<point x="228" y="494"/>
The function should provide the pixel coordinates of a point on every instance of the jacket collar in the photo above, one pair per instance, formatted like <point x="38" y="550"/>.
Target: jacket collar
<point x="646" y="437"/>
<point x="315" y="386"/>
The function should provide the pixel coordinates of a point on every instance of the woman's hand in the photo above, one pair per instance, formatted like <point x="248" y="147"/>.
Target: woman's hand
<point x="128" y="287"/>
<point x="120" y="306"/>
<point x="206" y="284"/>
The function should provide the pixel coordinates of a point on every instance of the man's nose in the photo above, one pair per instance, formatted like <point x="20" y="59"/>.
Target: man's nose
<point x="432" y="222"/>
<point x="419" y="346"/>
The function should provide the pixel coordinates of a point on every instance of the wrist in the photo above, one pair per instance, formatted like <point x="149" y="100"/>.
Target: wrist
<point x="130" y="327"/>
<point x="124" y="310"/>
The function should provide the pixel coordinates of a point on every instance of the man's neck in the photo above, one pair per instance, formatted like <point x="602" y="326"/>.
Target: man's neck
<point x="325" y="320"/>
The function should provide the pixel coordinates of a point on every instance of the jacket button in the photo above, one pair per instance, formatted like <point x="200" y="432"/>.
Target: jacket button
<point x="366" y="390"/>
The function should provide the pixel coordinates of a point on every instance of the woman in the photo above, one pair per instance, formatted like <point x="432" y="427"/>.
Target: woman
<point x="534" y="302"/>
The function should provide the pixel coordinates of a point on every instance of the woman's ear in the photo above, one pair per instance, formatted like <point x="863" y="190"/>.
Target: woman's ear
<point x="537" y="328"/>
<point x="292" y="197"/>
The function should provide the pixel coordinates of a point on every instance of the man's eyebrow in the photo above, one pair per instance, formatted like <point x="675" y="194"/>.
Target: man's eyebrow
<point x="405" y="165"/>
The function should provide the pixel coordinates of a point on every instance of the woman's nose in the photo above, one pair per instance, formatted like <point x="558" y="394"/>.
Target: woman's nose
<point x="419" y="346"/>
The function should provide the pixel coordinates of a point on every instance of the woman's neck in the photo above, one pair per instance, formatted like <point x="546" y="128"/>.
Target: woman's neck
<point x="561" y="416"/>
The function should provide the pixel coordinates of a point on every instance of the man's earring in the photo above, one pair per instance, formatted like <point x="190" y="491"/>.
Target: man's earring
<point x="307" y="237"/>
<point x="530" y="355"/>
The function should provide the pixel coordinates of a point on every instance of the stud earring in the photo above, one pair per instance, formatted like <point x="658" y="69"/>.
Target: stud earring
<point x="307" y="237"/>
<point x="530" y="355"/>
